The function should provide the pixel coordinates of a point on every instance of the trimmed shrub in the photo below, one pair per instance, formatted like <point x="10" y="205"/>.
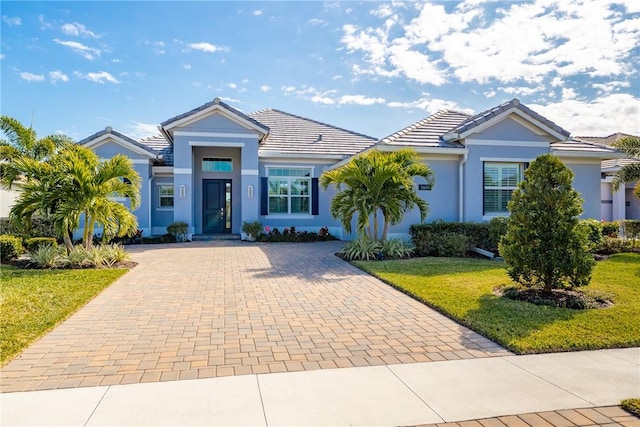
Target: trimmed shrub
<point x="108" y="255"/>
<point x="593" y="229"/>
<point x="615" y="245"/>
<point x="610" y="229"/>
<point x="445" y="244"/>
<point x="290" y="234"/>
<point x="179" y="229"/>
<point x="10" y="247"/>
<point x="39" y="227"/>
<point x="482" y="235"/>
<point x="34" y="243"/>
<point x="631" y="228"/>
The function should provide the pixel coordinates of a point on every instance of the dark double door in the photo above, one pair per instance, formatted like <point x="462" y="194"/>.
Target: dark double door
<point x="216" y="206"/>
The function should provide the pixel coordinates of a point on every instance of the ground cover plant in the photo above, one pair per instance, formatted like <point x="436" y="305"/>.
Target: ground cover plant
<point x="463" y="289"/>
<point x="632" y="406"/>
<point x="35" y="301"/>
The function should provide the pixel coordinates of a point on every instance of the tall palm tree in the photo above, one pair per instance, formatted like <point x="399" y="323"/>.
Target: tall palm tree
<point x="74" y="185"/>
<point x="630" y="172"/>
<point x="377" y="183"/>
<point x="22" y="142"/>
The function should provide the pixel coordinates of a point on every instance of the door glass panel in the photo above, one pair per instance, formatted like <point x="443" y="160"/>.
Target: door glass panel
<point x="228" y="205"/>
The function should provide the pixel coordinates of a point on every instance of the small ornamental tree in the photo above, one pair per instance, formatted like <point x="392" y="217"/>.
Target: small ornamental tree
<point x="545" y="246"/>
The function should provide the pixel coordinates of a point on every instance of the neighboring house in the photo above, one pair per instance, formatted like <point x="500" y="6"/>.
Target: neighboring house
<point x="7" y="199"/>
<point x="215" y="167"/>
<point x="621" y="204"/>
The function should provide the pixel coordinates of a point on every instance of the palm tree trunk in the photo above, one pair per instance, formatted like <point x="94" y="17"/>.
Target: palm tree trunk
<point x="88" y="239"/>
<point x="67" y="242"/>
<point x="375" y="225"/>
<point x="385" y="229"/>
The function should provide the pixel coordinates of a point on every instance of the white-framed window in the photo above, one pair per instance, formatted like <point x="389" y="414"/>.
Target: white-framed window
<point x="217" y="164"/>
<point x="289" y="191"/>
<point x="500" y="179"/>
<point x="166" y="196"/>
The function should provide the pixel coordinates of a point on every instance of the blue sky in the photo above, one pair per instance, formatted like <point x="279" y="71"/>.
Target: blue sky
<point x="372" y="67"/>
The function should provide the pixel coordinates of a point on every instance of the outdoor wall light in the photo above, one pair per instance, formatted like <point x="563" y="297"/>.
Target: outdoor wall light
<point x="250" y="191"/>
<point x="183" y="191"/>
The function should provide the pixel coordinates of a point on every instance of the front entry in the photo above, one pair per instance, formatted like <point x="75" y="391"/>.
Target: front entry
<point x="216" y="206"/>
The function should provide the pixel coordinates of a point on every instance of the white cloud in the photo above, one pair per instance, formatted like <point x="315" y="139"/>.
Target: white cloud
<point x="521" y="90"/>
<point x="76" y="29"/>
<point x="99" y="77"/>
<point x="186" y="66"/>
<point x="489" y="93"/>
<point x="30" y="77"/>
<point x="2" y="55"/>
<point x="257" y="12"/>
<point x="245" y="81"/>
<point x="232" y="85"/>
<point x="58" y="76"/>
<point x="12" y="21"/>
<point x="359" y="100"/>
<point x="336" y="77"/>
<point x="430" y="105"/>
<point x="230" y="100"/>
<point x="317" y="22"/>
<point x="318" y="99"/>
<point x="608" y="87"/>
<point x="265" y="88"/>
<point x="139" y="130"/>
<point x="528" y="42"/>
<point x="601" y="117"/>
<point x="89" y="53"/>
<point x="208" y="47"/>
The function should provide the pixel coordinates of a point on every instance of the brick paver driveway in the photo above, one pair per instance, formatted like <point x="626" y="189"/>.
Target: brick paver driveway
<point x="199" y="310"/>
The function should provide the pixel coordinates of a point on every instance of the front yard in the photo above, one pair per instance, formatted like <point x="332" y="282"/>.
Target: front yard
<point x="32" y="302"/>
<point x="463" y="290"/>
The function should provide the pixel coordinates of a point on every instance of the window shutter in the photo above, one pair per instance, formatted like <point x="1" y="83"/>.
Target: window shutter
<point x="264" y="195"/>
<point x="314" y="197"/>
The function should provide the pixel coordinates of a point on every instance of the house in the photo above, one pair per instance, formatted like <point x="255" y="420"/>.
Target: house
<point x="621" y="204"/>
<point x="215" y="166"/>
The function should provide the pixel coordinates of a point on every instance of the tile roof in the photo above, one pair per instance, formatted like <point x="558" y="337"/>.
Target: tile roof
<point x="615" y="164"/>
<point x="605" y="140"/>
<point x="209" y="104"/>
<point x="428" y="131"/>
<point x="291" y="134"/>
<point x="489" y="114"/>
<point x="161" y="146"/>
<point x="109" y="130"/>
<point x="579" y="146"/>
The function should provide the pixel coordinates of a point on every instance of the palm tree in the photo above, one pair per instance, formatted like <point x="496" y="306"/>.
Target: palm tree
<point x="74" y="185"/>
<point x="630" y="172"/>
<point x="377" y="183"/>
<point x="22" y="142"/>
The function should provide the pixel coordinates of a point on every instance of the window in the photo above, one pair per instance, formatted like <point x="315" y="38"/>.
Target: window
<point x="166" y="196"/>
<point x="217" y="164"/>
<point x="500" y="179"/>
<point x="289" y="191"/>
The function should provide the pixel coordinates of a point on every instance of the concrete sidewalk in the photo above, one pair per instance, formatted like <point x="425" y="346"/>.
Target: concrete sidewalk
<point x="407" y="394"/>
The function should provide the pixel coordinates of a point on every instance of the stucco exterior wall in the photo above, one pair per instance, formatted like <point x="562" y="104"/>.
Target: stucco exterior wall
<point x="587" y="182"/>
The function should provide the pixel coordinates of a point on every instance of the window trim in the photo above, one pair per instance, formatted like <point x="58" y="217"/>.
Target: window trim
<point x="502" y="163"/>
<point x="160" y="196"/>
<point x="289" y="214"/>
<point x="213" y="159"/>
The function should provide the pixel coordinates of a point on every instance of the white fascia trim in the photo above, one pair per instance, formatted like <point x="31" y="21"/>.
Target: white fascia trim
<point x="215" y="108"/>
<point x="586" y="154"/>
<point x="215" y="134"/>
<point x="298" y="161"/>
<point x="581" y="161"/>
<point x="607" y="179"/>
<point x="123" y="143"/>
<point x="253" y="172"/>
<point x="216" y="144"/>
<point x="182" y="171"/>
<point x="421" y="150"/>
<point x="503" y="115"/>
<point x="134" y="161"/>
<point x="506" y="143"/>
<point x="507" y="159"/>
<point x="162" y="170"/>
<point x="267" y="154"/>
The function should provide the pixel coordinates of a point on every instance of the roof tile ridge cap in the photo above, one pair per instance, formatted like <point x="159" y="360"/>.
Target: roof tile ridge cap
<point x="323" y="124"/>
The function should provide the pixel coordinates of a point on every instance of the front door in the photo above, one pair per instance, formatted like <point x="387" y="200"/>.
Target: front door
<point x="216" y="206"/>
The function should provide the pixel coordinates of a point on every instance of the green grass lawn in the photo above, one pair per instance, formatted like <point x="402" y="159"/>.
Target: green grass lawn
<point x="32" y="302"/>
<point x="462" y="289"/>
